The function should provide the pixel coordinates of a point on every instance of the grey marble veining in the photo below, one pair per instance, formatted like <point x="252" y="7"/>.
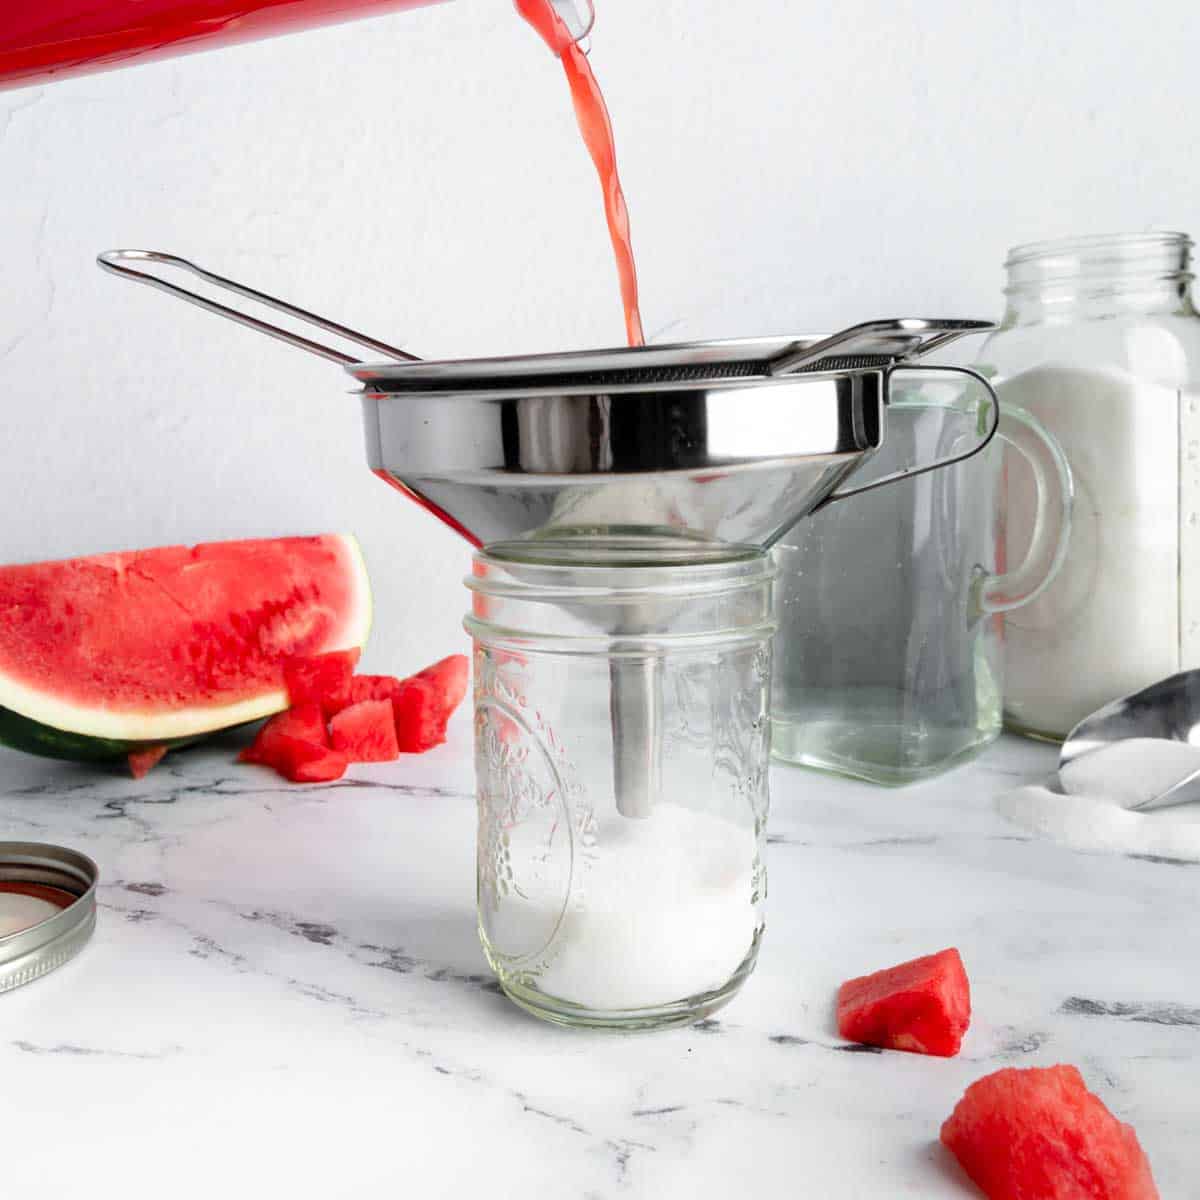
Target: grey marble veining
<point x="285" y="996"/>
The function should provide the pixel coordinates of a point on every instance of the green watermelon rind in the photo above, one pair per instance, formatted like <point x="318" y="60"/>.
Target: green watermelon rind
<point x="23" y="731"/>
<point x="32" y="737"/>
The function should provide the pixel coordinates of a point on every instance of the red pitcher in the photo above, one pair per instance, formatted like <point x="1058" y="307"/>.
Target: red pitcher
<point x="41" y="40"/>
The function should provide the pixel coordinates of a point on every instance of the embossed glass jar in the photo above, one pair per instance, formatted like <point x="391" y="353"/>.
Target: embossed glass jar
<point x="621" y="743"/>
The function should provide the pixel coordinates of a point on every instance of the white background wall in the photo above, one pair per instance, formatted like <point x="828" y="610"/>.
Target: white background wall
<point x="789" y="166"/>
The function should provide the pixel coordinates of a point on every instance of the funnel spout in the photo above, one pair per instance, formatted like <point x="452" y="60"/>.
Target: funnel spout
<point x="635" y="707"/>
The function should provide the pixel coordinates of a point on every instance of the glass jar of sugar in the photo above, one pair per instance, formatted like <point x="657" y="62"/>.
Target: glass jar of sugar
<point x="621" y="742"/>
<point x="1101" y="343"/>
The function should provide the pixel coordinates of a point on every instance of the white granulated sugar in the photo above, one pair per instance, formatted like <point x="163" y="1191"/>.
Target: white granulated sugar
<point x="1115" y="618"/>
<point x="666" y="912"/>
<point x="1082" y="822"/>
<point x="1131" y="771"/>
<point x="1092" y="816"/>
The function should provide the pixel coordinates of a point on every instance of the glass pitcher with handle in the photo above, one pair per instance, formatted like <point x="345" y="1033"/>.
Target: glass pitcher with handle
<point x="888" y="663"/>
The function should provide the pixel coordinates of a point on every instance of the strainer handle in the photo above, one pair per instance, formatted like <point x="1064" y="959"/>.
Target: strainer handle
<point x="116" y="261"/>
<point x="937" y="464"/>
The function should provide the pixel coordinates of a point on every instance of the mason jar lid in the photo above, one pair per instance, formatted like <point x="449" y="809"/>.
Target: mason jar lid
<point x="47" y="909"/>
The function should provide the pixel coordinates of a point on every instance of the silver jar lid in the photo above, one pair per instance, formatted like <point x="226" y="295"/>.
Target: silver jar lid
<point x="45" y="877"/>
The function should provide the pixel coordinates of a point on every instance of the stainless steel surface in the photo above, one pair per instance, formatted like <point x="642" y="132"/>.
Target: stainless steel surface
<point x="116" y="262"/>
<point x="31" y="953"/>
<point x="728" y="461"/>
<point x="736" y="460"/>
<point x="906" y="337"/>
<point x="1168" y="709"/>
<point x="869" y="345"/>
<point x="635" y="705"/>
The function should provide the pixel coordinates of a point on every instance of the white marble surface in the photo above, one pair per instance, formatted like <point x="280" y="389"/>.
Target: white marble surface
<point x="285" y="997"/>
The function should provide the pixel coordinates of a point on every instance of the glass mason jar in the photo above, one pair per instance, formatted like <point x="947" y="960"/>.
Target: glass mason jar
<point x="621" y="750"/>
<point x="888" y="656"/>
<point x="1101" y="343"/>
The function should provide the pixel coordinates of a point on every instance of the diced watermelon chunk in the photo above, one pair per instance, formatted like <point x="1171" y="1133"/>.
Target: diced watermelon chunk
<point x="419" y="711"/>
<point x="449" y="676"/>
<point x="923" y="1006"/>
<point x="141" y="762"/>
<point x="1039" y="1134"/>
<point x="306" y="762"/>
<point x="304" y="722"/>
<point x="322" y="679"/>
<point x="365" y="732"/>
<point x="421" y="704"/>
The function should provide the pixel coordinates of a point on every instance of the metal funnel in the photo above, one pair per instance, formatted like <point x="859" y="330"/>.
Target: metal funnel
<point x="730" y="441"/>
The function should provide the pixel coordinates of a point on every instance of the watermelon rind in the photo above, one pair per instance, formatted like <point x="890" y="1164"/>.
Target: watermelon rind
<point x="32" y="737"/>
<point x="37" y="723"/>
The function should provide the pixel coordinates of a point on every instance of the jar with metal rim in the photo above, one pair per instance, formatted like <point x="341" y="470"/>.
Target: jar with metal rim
<point x="621" y="749"/>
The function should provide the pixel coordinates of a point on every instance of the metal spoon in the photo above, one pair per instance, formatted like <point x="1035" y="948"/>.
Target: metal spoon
<point x="1169" y="709"/>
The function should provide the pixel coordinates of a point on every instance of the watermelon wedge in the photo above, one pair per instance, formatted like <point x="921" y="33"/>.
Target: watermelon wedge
<point x="114" y="654"/>
<point x="923" y="1006"/>
<point x="1039" y="1134"/>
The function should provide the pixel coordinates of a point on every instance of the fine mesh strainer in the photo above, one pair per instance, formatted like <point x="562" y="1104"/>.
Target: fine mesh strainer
<point x="688" y="444"/>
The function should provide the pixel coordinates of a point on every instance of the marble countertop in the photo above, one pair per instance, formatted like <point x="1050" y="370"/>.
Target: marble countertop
<point x="285" y="996"/>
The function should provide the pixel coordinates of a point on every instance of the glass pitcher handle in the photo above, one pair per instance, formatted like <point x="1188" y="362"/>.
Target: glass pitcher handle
<point x="1052" y="523"/>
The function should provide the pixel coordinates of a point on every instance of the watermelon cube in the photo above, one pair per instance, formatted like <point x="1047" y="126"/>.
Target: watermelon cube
<point x="923" y="1006"/>
<point x="306" y="762"/>
<point x="419" y="709"/>
<point x="304" y="722"/>
<point x="365" y="732"/>
<point x="421" y="704"/>
<point x="296" y="743"/>
<point x="1039" y="1134"/>
<point x="449" y="676"/>
<point x="322" y="679"/>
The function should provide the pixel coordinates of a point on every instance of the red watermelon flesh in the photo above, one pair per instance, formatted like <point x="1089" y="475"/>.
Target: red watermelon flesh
<point x="1039" y="1134"/>
<point x="419" y="710"/>
<point x="365" y="732"/>
<point x="421" y="704"/>
<point x="142" y="762"/>
<point x="923" y="1006"/>
<point x="305" y="723"/>
<point x="306" y="762"/>
<point x="449" y="675"/>
<point x="157" y="644"/>
<point x="323" y="679"/>
<point x="371" y="687"/>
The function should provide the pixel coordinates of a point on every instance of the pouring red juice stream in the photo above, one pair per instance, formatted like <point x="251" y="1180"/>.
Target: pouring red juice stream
<point x="591" y="113"/>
